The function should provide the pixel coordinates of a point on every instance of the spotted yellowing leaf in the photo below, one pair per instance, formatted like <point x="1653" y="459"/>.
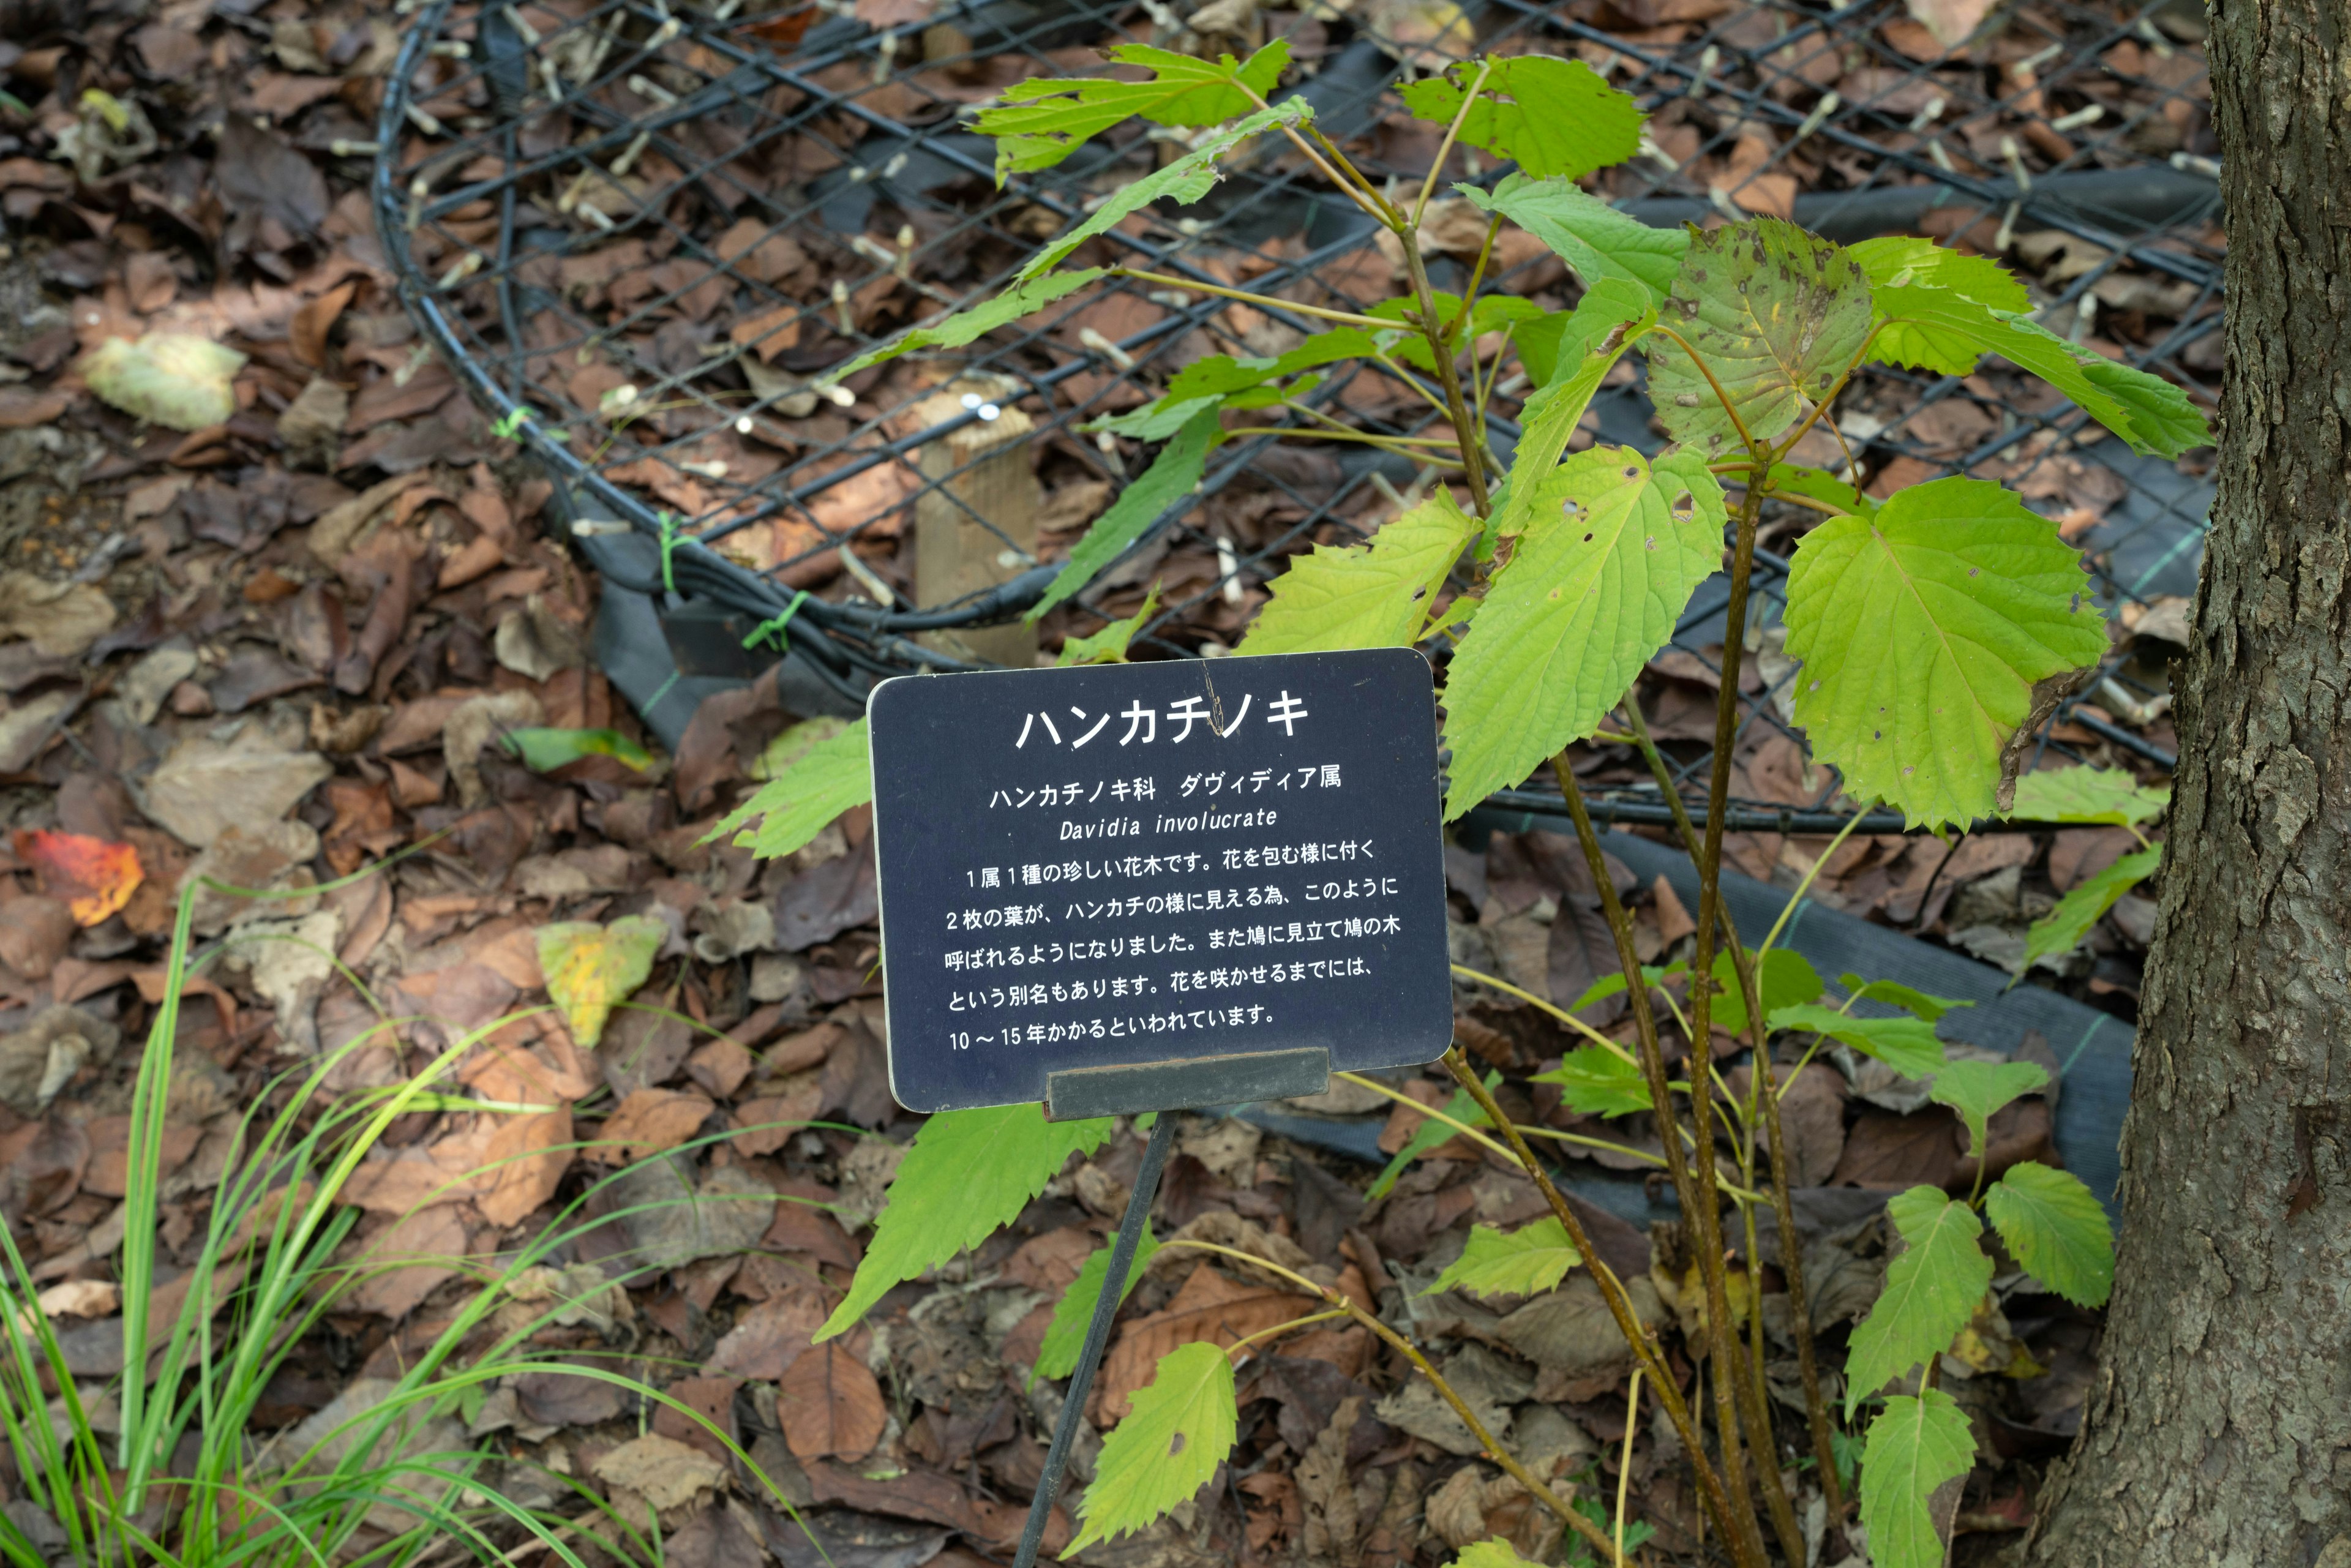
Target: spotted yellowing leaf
<point x="95" y="877"/>
<point x="590" y="967"/>
<point x="1180" y="1429"/>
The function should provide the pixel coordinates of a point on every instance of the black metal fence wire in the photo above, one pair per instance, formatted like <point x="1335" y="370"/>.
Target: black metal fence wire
<point x="642" y="235"/>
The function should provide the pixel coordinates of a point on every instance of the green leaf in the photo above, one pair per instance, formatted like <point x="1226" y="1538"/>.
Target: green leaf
<point x="1489" y="312"/>
<point x="1776" y="313"/>
<point x="1931" y="1291"/>
<point x="1596" y="1082"/>
<point x="1788" y="981"/>
<point x="1551" y="416"/>
<point x="1522" y="1262"/>
<point x="1057" y="1354"/>
<point x="1557" y="118"/>
<point x="1907" y="1045"/>
<point x="1922" y="632"/>
<point x="1159" y="419"/>
<point x="2054" y="1226"/>
<point x="1431" y="1132"/>
<point x="1180" y="1429"/>
<point x="2087" y="795"/>
<point x="1612" y="552"/>
<point x="1497" y="1552"/>
<point x="1025" y="297"/>
<point x="1108" y="646"/>
<point x="1173" y="475"/>
<point x="1915" y="1446"/>
<point x="1184" y="182"/>
<point x="1978" y="1090"/>
<point x="794" y="807"/>
<point x="1595" y="240"/>
<point x="966" y="1174"/>
<point x="1044" y="121"/>
<point x="1919" y="1004"/>
<point x="545" y="750"/>
<point x="1822" y="486"/>
<point x="2061" y="929"/>
<point x="1359" y="596"/>
<point x="777" y="757"/>
<point x="1613" y="983"/>
<point x="1220" y="375"/>
<point x="1944" y="311"/>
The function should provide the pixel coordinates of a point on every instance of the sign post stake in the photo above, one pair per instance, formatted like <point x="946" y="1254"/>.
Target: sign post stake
<point x="1122" y="1259"/>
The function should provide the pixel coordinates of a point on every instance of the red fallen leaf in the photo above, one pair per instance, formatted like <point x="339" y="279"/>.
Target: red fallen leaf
<point x="784" y="31"/>
<point x="94" y="876"/>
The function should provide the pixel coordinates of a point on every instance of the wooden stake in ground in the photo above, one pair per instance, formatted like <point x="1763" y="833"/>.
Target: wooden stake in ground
<point x="975" y="525"/>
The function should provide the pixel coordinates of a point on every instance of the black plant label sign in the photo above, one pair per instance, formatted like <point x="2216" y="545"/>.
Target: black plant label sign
<point x="1140" y="863"/>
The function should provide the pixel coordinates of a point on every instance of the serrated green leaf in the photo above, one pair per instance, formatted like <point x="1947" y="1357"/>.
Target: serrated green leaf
<point x="2087" y="795"/>
<point x="1931" y="1291"/>
<point x="1159" y="419"/>
<point x="1220" y="375"/>
<point x="1182" y="181"/>
<point x="1556" y="118"/>
<point x="1596" y="1082"/>
<point x="1046" y="119"/>
<point x="1025" y="297"/>
<point x="1360" y="596"/>
<point x="1595" y="240"/>
<point x="2061" y="929"/>
<point x="1109" y="645"/>
<point x="834" y="775"/>
<point x="1788" y="980"/>
<point x="1922" y="631"/>
<point x="967" y="1175"/>
<point x="1431" y="1132"/>
<point x="1551" y="416"/>
<point x="1173" y="475"/>
<point x="796" y="741"/>
<point x="1777" y="314"/>
<point x="1522" y="1262"/>
<point x="1978" y="1090"/>
<point x="1943" y="311"/>
<point x="1610" y="557"/>
<point x="1822" y="486"/>
<point x="544" y="750"/>
<point x="1917" y="1003"/>
<point x="1179" y="1430"/>
<point x="1488" y="313"/>
<point x="1907" y="1045"/>
<point x="2056" y="1227"/>
<point x="1057" y="1354"/>
<point x="1915" y="1446"/>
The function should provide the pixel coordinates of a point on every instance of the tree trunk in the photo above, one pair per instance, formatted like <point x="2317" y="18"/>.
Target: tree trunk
<point x="2218" y="1431"/>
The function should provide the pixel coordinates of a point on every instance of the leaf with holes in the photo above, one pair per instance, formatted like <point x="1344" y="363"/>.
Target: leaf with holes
<point x="1788" y="980"/>
<point x="1613" y="551"/>
<point x="1922" y="631"/>
<point x="1109" y="645"/>
<point x="1776" y="314"/>
<point x="794" y="807"/>
<point x="2056" y="1227"/>
<point x="1944" y="311"/>
<point x="2087" y="795"/>
<point x="1044" y="121"/>
<point x="1356" y="596"/>
<point x="1180" y="1429"/>
<point x="2063" y="928"/>
<point x="1522" y="1262"/>
<point x="967" y="1175"/>
<point x="1596" y="1082"/>
<point x="1182" y="181"/>
<point x="1907" y="1045"/>
<point x="1917" y="1003"/>
<point x="1557" y="118"/>
<point x="1915" y="1446"/>
<point x="1931" y="1291"/>
<point x="95" y="877"/>
<point x="1056" y="1355"/>
<point x="1595" y="240"/>
<point x="1024" y="299"/>
<point x="1173" y="475"/>
<point x="590" y="968"/>
<point x="1978" y="1090"/>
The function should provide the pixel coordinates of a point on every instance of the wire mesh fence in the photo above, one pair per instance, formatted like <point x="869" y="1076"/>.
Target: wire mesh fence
<point x="644" y="235"/>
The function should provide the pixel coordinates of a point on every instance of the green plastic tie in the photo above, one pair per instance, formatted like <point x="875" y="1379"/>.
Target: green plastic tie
<point x="776" y="627"/>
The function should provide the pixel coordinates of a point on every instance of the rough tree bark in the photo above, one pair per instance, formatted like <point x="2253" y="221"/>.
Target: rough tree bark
<point x="2218" y="1431"/>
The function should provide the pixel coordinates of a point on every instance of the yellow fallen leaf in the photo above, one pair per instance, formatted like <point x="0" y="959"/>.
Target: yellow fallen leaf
<point x="166" y="378"/>
<point x="588" y="966"/>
